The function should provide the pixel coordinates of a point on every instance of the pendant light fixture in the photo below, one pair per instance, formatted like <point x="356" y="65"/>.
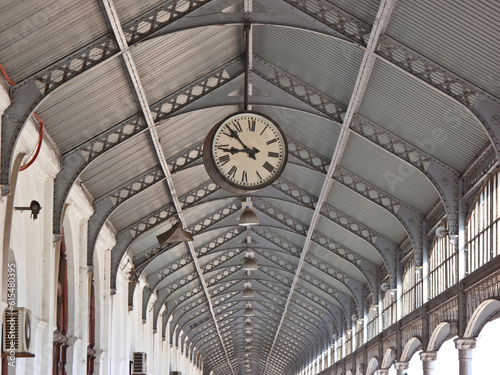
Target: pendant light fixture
<point x="175" y="234"/>
<point x="248" y="217"/>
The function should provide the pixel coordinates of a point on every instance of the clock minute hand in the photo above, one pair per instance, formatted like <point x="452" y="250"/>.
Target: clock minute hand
<point x="234" y="134"/>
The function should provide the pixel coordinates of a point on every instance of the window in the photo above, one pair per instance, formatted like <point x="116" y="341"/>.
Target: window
<point x="412" y="287"/>
<point x="482" y="225"/>
<point x="359" y="333"/>
<point x="442" y="265"/>
<point x="372" y="326"/>
<point x="389" y="309"/>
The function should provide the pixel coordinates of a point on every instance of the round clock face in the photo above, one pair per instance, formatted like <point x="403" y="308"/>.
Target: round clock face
<point x="246" y="151"/>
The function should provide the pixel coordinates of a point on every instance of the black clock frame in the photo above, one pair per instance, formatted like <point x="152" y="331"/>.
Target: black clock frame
<point x="219" y="178"/>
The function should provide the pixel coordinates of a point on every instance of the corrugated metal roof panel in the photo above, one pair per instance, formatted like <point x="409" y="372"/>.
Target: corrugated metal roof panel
<point x="130" y="9"/>
<point x="315" y="132"/>
<point x="366" y="10"/>
<point x="296" y="239"/>
<point x="327" y="297"/>
<point x="325" y="63"/>
<point x="119" y="165"/>
<point x="366" y="212"/>
<point x="147" y="242"/>
<point x="423" y="117"/>
<point x="166" y="64"/>
<point x="389" y="173"/>
<point x="462" y="37"/>
<point x="189" y="179"/>
<point x="348" y="239"/>
<point x="331" y="281"/>
<point x="307" y="179"/>
<point x="140" y="206"/>
<point x="180" y="132"/>
<point x="92" y="103"/>
<point x="34" y="34"/>
<point x="296" y="211"/>
<point x="336" y="261"/>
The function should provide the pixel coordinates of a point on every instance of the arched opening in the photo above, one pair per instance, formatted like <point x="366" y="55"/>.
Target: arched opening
<point x="60" y="345"/>
<point x="485" y="355"/>
<point x="372" y="366"/>
<point x="447" y="359"/>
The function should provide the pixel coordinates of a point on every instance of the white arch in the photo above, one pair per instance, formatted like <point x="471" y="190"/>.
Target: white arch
<point x="411" y="347"/>
<point x="441" y="333"/>
<point x="359" y="369"/>
<point x="389" y="358"/>
<point x="372" y="366"/>
<point x="482" y="315"/>
<point x="349" y="372"/>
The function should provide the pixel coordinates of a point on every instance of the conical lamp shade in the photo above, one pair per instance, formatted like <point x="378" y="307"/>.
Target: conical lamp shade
<point x="248" y="326"/>
<point x="248" y="293"/>
<point x="248" y="217"/>
<point x="250" y="265"/>
<point x="174" y="235"/>
<point x="248" y="312"/>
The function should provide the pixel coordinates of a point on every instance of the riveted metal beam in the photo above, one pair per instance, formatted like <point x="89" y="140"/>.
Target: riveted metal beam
<point x="333" y="16"/>
<point x="305" y="308"/>
<point x="188" y="307"/>
<point x="411" y="219"/>
<point x="296" y="88"/>
<point x="300" y="90"/>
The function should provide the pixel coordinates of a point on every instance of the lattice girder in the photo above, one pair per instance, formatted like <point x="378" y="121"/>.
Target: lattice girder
<point x="367" y="268"/>
<point x="444" y="178"/>
<point x="411" y="219"/>
<point x="305" y="306"/>
<point x="344" y="23"/>
<point x="197" y="311"/>
<point x="330" y="290"/>
<point x="219" y="282"/>
<point x="300" y="90"/>
<point x="125" y="238"/>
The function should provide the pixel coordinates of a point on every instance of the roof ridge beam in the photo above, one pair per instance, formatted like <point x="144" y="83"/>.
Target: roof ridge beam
<point x="383" y="16"/>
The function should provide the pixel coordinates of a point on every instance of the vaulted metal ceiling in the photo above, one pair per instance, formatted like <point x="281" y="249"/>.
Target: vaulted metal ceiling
<point x="377" y="100"/>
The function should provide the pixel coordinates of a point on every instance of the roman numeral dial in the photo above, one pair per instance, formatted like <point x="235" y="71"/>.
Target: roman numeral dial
<point x="246" y="151"/>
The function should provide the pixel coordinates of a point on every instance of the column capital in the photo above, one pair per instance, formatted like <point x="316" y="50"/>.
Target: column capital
<point x="465" y="343"/>
<point x="428" y="356"/>
<point x="384" y="371"/>
<point x="401" y="365"/>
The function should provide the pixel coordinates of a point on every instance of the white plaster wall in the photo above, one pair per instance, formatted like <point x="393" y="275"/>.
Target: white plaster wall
<point x="118" y="332"/>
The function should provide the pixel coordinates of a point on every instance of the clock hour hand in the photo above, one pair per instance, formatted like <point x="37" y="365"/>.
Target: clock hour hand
<point x="232" y="150"/>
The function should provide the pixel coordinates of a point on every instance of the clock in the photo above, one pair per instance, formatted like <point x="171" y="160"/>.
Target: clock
<point x="245" y="152"/>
